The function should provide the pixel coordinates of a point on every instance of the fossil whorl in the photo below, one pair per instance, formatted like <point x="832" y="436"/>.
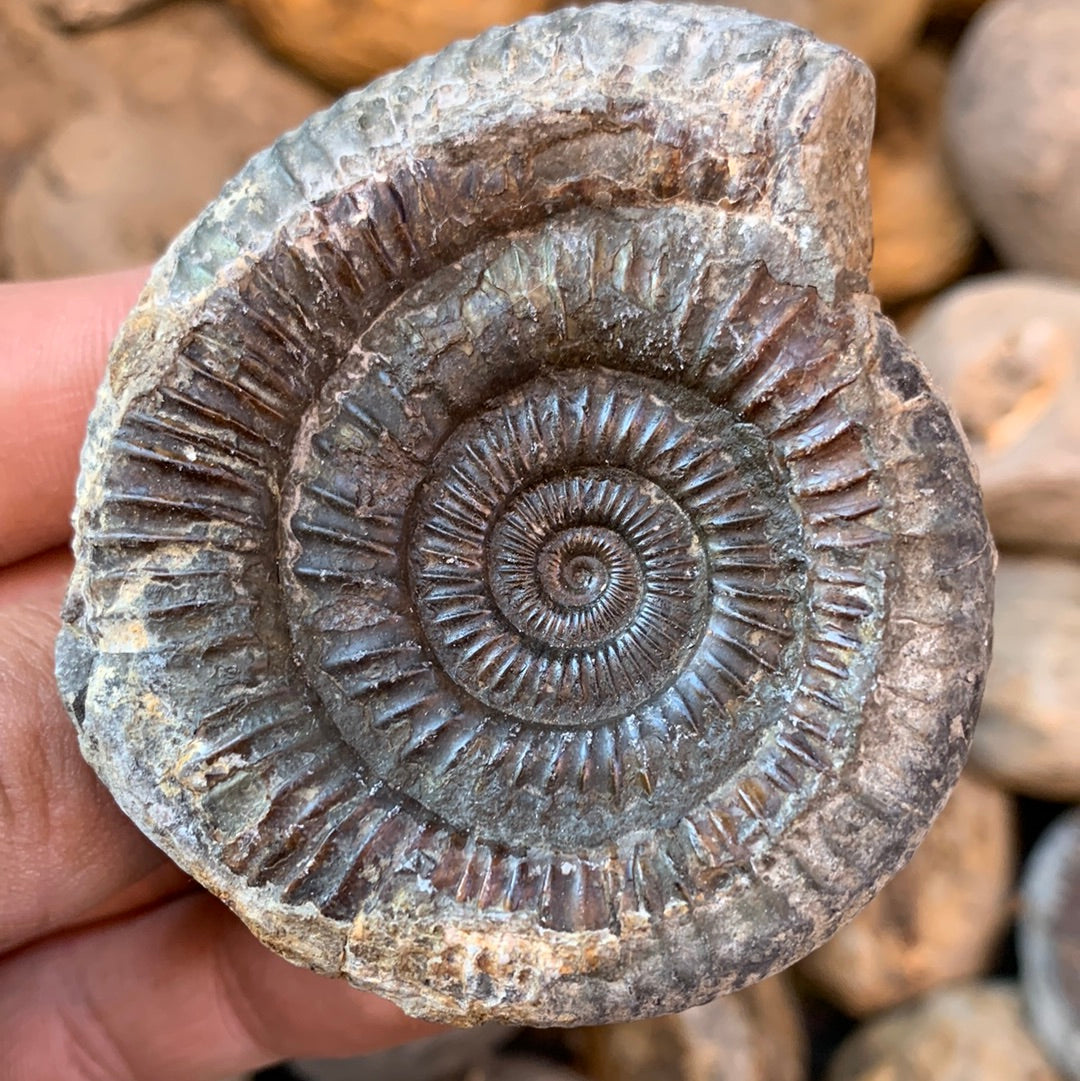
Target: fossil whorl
<point x="518" y="568"/>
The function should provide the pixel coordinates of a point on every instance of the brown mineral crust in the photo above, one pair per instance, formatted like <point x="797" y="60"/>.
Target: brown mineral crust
<point x="1028" y="735"/>
<point x="346" y="44"/>
<point x="939" y="920"/>
<point x="923" y="235"/>
<point x="1005" y="352"/>
<point x="754" y="1035"/>
<point x="1048" y="942"/>
<point x="1012" y="121"/>
<point x="606" y="305"/>
<point x="975" y="1032"/>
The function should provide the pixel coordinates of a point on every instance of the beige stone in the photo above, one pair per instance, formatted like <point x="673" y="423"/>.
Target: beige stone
<point x="443" y="1057"/>
<point x="42" y="79"/>
<point x="347" y="43"/>
<point x="1013" y="128"/>
<point x="36" y="83"/>
<point x="923" y="235"/>
<point x="877" y="31"/>
<point x="91" y="14"/>
<point x="521" y="1068"/>
<point x="1028" y="735"/>
<point x="938" y="920"/>
<point x="963" y="9"/>
<point x="168" y="107"/>
<point x="109" y="189"/>
<point x="975" y="1032"/>
<point x="1005" y="350"/>
<point x="754" y="1035"/>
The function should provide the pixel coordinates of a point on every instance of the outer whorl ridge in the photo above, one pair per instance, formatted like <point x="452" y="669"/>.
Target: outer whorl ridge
<point x="518" y="567"/>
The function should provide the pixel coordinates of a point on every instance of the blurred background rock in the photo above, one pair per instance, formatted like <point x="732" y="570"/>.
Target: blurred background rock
<point x="120" y="119"/>
<point x="111" y="140"/>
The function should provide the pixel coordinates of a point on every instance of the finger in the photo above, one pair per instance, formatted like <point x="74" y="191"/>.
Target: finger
<point x="69" y="855"/>
<point x="180" y="993"/>
<point x="52" y="357"/>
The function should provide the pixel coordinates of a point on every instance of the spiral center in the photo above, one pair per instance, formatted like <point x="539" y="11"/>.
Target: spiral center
<point x="574" y="580"/>
<point x="558" y="599"/>
<point x="567" y="569"/>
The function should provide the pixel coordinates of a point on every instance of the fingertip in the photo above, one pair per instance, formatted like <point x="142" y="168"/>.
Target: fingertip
<point x="52" y="356"/>
<point x="181" y="992"/>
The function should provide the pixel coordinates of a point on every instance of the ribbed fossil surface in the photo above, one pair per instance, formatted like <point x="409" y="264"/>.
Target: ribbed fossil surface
<point x="518" y="567"/>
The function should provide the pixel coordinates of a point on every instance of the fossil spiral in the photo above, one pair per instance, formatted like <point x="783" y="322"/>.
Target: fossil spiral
<point x="518" y="568"/>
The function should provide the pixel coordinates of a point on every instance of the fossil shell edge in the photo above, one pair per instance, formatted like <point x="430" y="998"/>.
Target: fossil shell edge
<point x="517" y="566"/>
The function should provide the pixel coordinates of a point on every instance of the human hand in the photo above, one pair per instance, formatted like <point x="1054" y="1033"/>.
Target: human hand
<point x="113" y="963"/>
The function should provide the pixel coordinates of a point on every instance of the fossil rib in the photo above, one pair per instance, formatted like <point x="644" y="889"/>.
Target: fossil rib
<point x="518" y="568"/>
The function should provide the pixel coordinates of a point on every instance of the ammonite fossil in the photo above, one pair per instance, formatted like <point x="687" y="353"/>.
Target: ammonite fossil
<point x="519" y="569"/>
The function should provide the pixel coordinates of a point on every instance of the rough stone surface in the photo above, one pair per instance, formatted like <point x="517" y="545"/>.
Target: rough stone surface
<point x="1005" y="352"/>
<point x="1028" y="736"/>
<point x="1048" y="942"/>
<point x="939" y="920"/>
<point x="518" y="568"/>
<point x="1013" y="127"/>
<point x="976" y="1032"/>
<point x="754" y="1035"/>
<point x="923" y="234"/>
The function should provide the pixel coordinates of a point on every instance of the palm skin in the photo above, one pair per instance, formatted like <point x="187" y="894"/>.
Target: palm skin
<point x="113" y="963"/>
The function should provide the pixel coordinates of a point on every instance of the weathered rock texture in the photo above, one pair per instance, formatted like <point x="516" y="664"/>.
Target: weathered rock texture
<point x="923" y="235"/>
<point x="976" y="1032"/>
<point x="1028" y="736"/>
<point x="939" y="920"/>
<point x="1005" y="352"/>
<point x="1049" y="942"/>
<point x="518" y="567"/>
<point x="754" y="1035"/>
<point x="1013" y="127"/>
